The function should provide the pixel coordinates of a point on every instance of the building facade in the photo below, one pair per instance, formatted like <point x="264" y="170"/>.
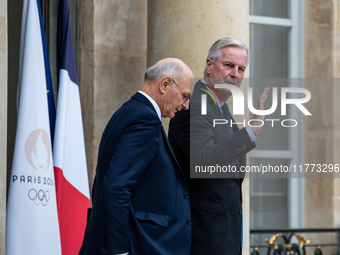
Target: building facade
<point x="115" y="41"/>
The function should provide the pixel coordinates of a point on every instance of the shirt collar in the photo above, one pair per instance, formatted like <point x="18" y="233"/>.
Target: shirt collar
<point x="154" y="104"/>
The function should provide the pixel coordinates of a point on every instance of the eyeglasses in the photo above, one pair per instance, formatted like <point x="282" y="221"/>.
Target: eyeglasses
<point x="185" y="96"/>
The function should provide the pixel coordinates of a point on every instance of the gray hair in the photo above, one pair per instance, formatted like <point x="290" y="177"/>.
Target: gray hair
<point x="215" y="50"/>
<point x="158" y="71"/>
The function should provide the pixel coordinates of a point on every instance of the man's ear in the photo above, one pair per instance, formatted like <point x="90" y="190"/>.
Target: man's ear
<point x="165" y="84"/>
<point x="208" y="65"/>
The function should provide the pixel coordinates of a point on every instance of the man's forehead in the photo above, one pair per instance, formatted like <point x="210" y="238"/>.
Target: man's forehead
<point x="234" y="53"/>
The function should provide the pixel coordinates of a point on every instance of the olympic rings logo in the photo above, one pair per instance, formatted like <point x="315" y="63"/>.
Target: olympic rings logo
<point x="39" y="197"/>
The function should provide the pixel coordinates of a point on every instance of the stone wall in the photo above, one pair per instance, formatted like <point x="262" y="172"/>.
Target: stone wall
<point x="112" y="63"/>
<point x="3" y="121"/>
<point x="322" y="132"/>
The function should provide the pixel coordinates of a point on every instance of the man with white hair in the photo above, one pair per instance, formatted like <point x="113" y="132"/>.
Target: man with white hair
<point x="216" y="199"/>
<point x="140" y="198"/>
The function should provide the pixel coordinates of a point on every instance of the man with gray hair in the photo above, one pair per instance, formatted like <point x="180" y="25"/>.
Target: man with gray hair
<point x="216" y="199"/>
<point x="140" y="198"/>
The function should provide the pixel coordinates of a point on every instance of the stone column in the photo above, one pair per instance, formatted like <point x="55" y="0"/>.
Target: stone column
<point x="112" y="63"/>
<point x="186" y="30"/>
<point x="3" y="121"/>
<point x="322" y="131"/>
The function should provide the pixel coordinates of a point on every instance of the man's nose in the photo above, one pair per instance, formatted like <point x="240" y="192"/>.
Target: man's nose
<point x="185" y="105"/>
<point x="235" y="73"/>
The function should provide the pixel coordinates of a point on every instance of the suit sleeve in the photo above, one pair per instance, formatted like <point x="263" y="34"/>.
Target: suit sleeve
<point x="184" y="139"/>
<point x="179" y="133"/>
<point x="134" y="151"/>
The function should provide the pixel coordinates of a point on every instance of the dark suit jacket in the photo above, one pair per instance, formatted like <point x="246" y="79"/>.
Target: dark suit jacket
<point x="216" y="204"/>
<point x="140" y="199"/>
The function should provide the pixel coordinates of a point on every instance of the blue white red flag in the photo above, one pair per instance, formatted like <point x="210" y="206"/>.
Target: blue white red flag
<point x="73" y="198"/>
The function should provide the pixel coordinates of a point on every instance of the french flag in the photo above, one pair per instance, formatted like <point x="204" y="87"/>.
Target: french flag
<point x="70" y="169"/>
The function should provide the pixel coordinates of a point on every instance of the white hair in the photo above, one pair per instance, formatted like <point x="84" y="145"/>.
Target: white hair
<point x="157" y="71"/>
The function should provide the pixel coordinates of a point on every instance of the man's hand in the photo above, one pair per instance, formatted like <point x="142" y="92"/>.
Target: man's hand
<point x="257" y="120"/>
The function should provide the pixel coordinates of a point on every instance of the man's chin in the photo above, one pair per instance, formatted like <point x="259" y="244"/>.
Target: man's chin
<point x="173" y="114"/>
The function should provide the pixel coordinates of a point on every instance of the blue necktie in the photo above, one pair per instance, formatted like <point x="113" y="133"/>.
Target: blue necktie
<point x="226" y="115"/>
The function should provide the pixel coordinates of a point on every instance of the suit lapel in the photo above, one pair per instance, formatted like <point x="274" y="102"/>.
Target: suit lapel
<point x="215" y="108"/>
<point x="138" y="96"/>
<point x="172" y="153"/>
<point x="217" y="112"/>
